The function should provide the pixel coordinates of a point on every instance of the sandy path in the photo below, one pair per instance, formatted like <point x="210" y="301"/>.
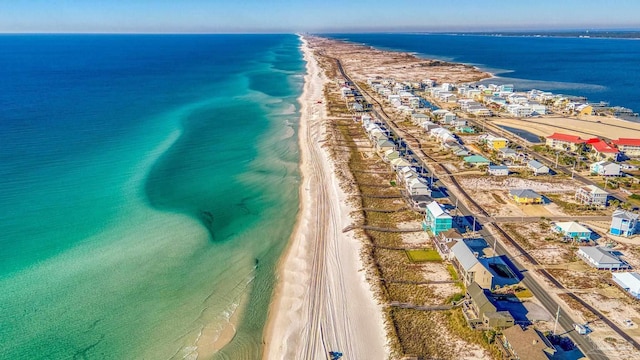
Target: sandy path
<point x="323" y="302"/>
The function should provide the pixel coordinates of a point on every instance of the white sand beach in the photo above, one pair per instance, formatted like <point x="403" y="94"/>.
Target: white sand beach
<point x="323" y="301"/>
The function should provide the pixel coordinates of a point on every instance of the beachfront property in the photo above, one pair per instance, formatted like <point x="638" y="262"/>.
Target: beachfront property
<point x="592" y="195"/>
<point x="601" y="259"/>
<point x="629" y="282"/>
<point x="436" y="219"/>
<point x="476" y="160"/>
<point x="630" y="147"/>
<point x="564" y="142"/>
<point x="605" y="168"/>
<point x="537" y="168"/>
<point x="573" y="230"/>
<point x="498" y="170"/>
<point x="624" y="223"/>
<point x="601" y="150"/>
<point x="446" y="240"/>
<point x="529" y="344"/>
<point x="469" y="267"/>
<point x="417" y="187"/>
<point x="525" y="196"/>
<point x="384" y="144"/>
<point x="389" y="155"/>
<point x="481" y="313"/>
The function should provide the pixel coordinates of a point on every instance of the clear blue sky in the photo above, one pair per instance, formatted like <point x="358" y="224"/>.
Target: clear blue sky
<point x="313" y="15"/>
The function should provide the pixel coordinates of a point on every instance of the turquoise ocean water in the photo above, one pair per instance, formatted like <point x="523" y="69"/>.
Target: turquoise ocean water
<point x="148" y="185"/>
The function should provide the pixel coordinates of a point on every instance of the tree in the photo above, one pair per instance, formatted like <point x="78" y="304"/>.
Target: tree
<point x="615" y="203"/>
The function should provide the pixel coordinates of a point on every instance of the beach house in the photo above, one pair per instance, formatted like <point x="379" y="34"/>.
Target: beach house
<point x="476" y="160"/>
<point x="601" y="259"/>
<point x="537" y="168"/>
<point x="529" y="344"/>
<point x="564" y="142"/>
<point x="592" y="195"/>
<point x="481" y="313"/>
<point x="498" y="170"/>
<point x="417" y="187"/>
<point x="446" y="240"/>
<point x="525" y="196"/>
<point x="419" y="118"/>
<point x="605" y="168"/>
<point x="573" y="230"/>
<point x="506" y="153"/>
<point x="629" y="282"/>
<point x="624" y="223"/>
<point x="494" y="142"/>
<point x="469" y="267"/>
<point x="630" y="147"/>
<point x="437" y="219"/>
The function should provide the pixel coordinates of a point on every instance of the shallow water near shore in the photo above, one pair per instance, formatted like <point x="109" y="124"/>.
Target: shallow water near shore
<point x="149" y="185"/>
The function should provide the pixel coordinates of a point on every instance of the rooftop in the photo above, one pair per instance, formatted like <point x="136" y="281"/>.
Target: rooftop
<point x="437" y="211"/>
<point x="627" y="141"/>
<point x="572" y="227"/>
<point x="602" y="147"/>
<point x="528" y="344"/>
<point x="566" y="138"/>
<point x="524" y="193"/>
<point x="600" y="255"/>
<point x="623" y="214"/>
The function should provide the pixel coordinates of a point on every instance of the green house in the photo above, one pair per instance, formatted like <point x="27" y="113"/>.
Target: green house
<point x="476" y="160"/>
<point x="436" y="219"/>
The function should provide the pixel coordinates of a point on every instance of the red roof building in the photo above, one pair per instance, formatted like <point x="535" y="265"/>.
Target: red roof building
<point x="603" y="150"/>
<point x="630" y="147"/>
<point x="563" y="141"/>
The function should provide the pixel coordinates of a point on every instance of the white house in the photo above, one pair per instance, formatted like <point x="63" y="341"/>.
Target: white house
<point x="416" y="186"/>
<point x="601" y="259"/>
<point x="498" y="170"/>
<point x="629" y="282"/>
<point x="605" y="168"/>
<point x="537" y="168"/>
<point x="592" y="195"/>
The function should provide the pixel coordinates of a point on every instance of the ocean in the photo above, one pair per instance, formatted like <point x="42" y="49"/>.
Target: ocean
<point x="148" y="186"/>
<point x="601" y="69"/>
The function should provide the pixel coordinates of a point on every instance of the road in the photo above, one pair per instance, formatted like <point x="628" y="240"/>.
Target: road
<point x="565" y="321"/>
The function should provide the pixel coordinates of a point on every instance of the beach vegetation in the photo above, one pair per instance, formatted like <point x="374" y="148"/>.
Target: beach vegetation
<point x="422" y="255"/>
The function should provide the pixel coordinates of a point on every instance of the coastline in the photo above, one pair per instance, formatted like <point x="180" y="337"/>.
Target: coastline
<point x="322" y="298"/>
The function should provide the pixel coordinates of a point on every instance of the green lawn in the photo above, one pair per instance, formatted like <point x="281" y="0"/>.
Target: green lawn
<point x="423" y="255"/>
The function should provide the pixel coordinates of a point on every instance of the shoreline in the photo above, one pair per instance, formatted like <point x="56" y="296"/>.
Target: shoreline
<point x="322" y="298"/>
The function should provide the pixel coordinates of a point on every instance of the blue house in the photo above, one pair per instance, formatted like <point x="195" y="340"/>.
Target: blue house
<point x="573" y="230"/>
<point x="624" y="223"/>
<point x="436" y="219"/>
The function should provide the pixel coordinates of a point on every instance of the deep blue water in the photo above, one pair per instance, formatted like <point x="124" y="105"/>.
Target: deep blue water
<point x="141" y="177"/>
<point x="600" y="69"/>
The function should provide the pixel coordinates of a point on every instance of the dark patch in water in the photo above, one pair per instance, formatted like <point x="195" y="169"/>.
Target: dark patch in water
<point x="243" y="206"/>
<point x="82" y="353"/>
<point x="207" y="220"/>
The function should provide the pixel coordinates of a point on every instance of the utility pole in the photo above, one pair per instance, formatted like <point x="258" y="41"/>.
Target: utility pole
<point x="557" y="154"/>
<point x="555" y="325"/>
